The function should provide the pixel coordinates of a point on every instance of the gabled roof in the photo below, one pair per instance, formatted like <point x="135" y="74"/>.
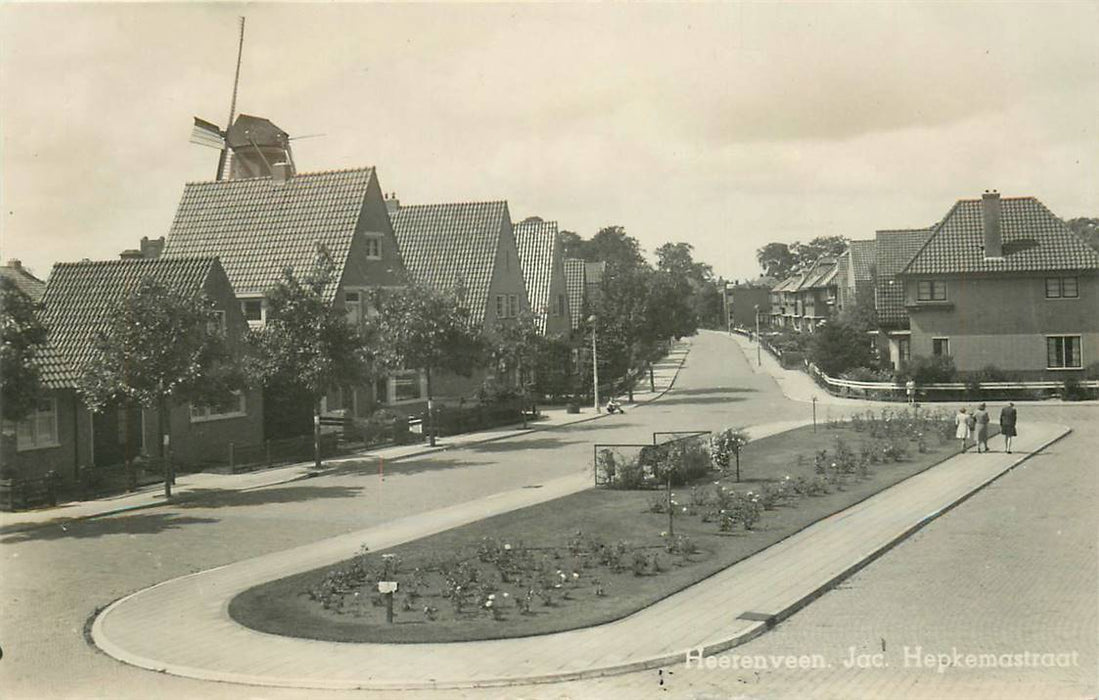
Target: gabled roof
<point x="23" y="280"/>
<point x="259" y="226"/>
<point x="822" y="274"/>
<point x="895" y="247"/>
<point x="80" y="298"/>
<point x="862" y="259"/>
<point x="536" y="241"/>
<point x="574" y="287"/>
<point x="1034" y="240"/>
<point x="453" y="246"/>
<point x="789" y="284"/>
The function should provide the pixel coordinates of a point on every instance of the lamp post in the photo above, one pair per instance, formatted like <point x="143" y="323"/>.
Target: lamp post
<point x="594" y="364"/>
<point x="759" y="356"/>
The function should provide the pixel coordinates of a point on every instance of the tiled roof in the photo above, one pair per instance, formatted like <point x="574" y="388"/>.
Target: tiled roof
<point x="80" y="298"/>
<point x="24" y="281"/>
<point x="574" y="286"/>
<point x="257" y="226"/>
<point x="449" y="246"/>
<point x="862" y="259"/>
<point x="1034" y="240"/>
<point x="822" y="274"/>
<point x="536" y="240"/>
<point x="789" y="284"/>
<point x="893" y="249"/>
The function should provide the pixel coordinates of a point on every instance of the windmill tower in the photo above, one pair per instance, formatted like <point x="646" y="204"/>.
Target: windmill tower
<point x="249" y="146"/>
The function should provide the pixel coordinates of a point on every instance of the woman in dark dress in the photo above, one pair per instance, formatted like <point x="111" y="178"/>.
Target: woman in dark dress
<point x="1007" y="425"/>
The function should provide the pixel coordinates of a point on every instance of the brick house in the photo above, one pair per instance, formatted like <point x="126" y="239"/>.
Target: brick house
<point x="892" y="251"/>
<point x="63" y="435"/>
<point x="804" y="300"/>
<point x="744" y="301"/>
<point x="544" y="274"/>
<point x="469" y="247"/>
<point x="1004" y="282"/>
<point x="259" y="226"/>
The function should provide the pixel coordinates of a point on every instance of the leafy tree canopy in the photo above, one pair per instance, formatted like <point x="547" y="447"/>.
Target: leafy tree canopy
<point x="779" y="260"/>
<point x="24" y="337"/>
<point x="613" y="246"/>
<point x="678" y="259"/>
<point x="836" y="347"/>
<point x="1086" y="228"/>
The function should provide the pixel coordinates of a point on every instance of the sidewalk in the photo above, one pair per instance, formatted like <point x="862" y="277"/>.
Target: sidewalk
<point x="202" y="642"/>
<point x="190" y="486"/>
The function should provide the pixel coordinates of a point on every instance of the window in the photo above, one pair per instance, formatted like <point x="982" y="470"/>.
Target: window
<point x="381" y="389"/>
<point x="39" y="429"/>
<point x="373" y="248"/>
<point x="353" y="307"/>
<point x="940" y="347"/>
<point x="233" y="407"/>
<point x="216" y="324"/>
<point x="252" y="310"/>
<point x="930" y="290"/>
<point x="1063" y="352"/>
<point x="406" y="387"/>
<point x="1062" y="288"/>
<point x="513" y="305"/>
<point x="501" y="311"/>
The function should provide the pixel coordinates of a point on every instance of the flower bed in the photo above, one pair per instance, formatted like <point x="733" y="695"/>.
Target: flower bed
<point x="600" y="554"/>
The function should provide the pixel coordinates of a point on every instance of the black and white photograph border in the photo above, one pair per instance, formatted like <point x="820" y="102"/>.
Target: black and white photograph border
<point x="549" y="350"/>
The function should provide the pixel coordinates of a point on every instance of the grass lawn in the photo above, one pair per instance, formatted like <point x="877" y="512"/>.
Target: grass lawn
<point x="576" y="561"/>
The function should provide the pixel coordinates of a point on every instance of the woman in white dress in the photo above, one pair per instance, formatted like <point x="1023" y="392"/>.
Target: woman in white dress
<point x="961" y="422"/>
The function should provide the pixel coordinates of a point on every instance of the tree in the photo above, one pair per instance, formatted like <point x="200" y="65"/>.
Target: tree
<point x="160" y="350"/>
<point x="837" y="347"/>
<point x="24" y="338"/>
<point x="806" y="254"/>
<point x="776" y="260"/>
<point x="425" y="329"/>
<point x="678" y="259"/>
<point x="613" y="246"/>
<point x="307" y="344"/>
<point x="1086" y="228"/>
<point x="572" y="245"/>
<point x="519" y="345"/>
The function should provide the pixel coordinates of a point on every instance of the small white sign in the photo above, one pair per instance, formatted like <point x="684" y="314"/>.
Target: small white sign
<point x="387" y="586"/>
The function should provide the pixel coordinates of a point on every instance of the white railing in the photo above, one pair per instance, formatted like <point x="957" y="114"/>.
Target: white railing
<point x="945" y="386"/>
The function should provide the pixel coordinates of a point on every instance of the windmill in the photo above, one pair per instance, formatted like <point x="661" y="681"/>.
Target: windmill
<point x="207" y="133"/>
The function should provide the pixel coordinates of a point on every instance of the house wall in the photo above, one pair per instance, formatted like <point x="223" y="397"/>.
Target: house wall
<point x="1004" y="320"/>
<point x="361" y="271"/>
<point x="73" y="448"/>
<point x="507" y="277"/>
<point x="562" y="323"/>
<point x="742" y="303"/>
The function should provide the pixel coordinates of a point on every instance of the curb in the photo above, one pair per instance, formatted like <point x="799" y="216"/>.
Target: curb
<point x="14" y="529"/>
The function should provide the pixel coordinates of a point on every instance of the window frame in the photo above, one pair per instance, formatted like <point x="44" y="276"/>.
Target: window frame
<point x="933" y="286"/>
<point x="943" y="343"/>
<point x="254" y="322"/>
<point x="1065" y="352"/>
<point x="205" y="414"/>
<point x="1060" y="287"/>
<point x="31" y="425"/>
<point x="357" y="306"/>
<point x="373" y="247"/>
<point x="501" y="306"/>
<point x="513" y="305"/>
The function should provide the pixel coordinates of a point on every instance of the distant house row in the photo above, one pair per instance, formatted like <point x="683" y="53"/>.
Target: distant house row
<point x="231" y="240"/>
<point x="998" y="281"/>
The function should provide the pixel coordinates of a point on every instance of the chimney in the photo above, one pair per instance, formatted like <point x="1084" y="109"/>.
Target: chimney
<point x="281" y="172"/>
<point x="392" y="204"/>
<point x="131" y="254"/>
<point x="990" y="218"/>
<point x="152" y="248"/>
<point x="16" y="264"/>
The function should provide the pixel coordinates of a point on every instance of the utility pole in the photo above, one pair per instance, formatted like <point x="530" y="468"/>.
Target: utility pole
<point x="594" y="364"/>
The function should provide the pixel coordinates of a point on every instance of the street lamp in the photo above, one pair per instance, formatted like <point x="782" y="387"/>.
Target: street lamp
<point x="594" y="364"/>
<point x="759" y="357"/>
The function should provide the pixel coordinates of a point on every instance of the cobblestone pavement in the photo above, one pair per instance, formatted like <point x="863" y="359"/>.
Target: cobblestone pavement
<point x="51" y="580"/>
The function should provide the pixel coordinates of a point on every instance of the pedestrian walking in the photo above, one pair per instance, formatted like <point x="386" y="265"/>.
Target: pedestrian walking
<point x="910" y="389"/>
<point x="1007" y="425"/>
<point x="981" y="418"/>
<point x="961" y="423"/>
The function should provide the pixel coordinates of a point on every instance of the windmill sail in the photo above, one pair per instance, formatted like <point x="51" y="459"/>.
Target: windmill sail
<point x="206" y="134"/>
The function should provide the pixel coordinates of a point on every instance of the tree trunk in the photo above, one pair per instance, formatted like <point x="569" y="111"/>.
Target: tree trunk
<point x="652" y="380"/>
<point x="629" y="371"/>
<point x="429" y="419"/>
<point x="316" y="433"/>
<point x="164" y="438"/>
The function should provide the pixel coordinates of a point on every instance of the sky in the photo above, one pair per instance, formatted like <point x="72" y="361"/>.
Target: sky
<point x="726" y="126"/>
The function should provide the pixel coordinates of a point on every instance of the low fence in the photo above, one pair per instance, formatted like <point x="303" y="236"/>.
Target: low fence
<point x="635" y="466"/>
<point x="245" y="457"/>
<point x="944" y="390"/>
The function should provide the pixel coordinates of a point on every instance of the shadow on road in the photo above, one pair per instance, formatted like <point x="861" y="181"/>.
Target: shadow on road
<point x="427" y="463"/>
<point x="136" y="524"/>
<point x="218" y="498"/>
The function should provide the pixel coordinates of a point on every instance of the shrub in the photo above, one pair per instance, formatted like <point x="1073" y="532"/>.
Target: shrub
<point x="867" y="374"/>
<point x="929" y="370"/>
<point x="1072" y="390"/>
<point x="837" y="347"/>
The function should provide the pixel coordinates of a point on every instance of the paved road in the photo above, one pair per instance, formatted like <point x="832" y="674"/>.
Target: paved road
<point x="53" y="579"/>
